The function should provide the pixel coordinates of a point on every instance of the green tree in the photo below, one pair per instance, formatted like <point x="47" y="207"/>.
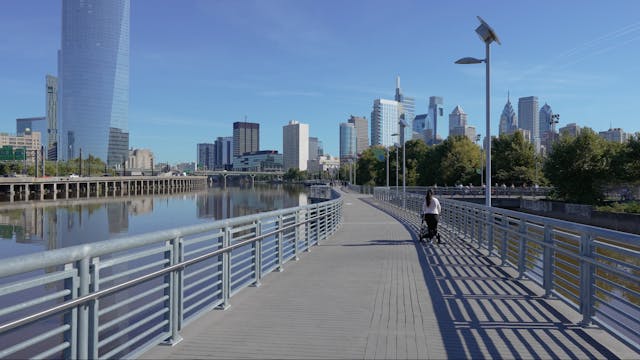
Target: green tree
<point x="579" y="167"/>
<point x="626" y="160"/>
<point x="513" y="160"/>
<point x="293" y="174"/>
<point x="460" y="158"/>
<point x="415" y="158"/>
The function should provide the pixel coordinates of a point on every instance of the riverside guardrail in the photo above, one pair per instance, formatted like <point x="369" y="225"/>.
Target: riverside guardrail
<point x="594" y="270"/>
<point x="118" y="298"/>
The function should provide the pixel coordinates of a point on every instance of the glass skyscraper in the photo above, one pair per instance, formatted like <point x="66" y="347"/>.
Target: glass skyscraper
<point x="94" y="80"/>
<point x="348" y="142"/>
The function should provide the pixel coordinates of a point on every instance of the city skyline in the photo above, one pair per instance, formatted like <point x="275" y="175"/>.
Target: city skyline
<point x="198" y="67"/>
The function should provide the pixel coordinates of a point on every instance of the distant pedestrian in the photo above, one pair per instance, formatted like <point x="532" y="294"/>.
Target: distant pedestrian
<point x="431" y="214"/>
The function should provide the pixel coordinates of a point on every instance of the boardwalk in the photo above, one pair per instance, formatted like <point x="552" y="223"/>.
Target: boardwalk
<point x="371" y="292"/>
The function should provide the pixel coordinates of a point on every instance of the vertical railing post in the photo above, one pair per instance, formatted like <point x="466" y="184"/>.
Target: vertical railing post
<point x="94" y="307"/>
<point x="490" y="224"/>
<point x="83" y="309"/>
<point x="71" y="317"/>
<point x="522" y="248"/>
<point x="258" y="257"/>
<point x="280" y="243"/>
<point x="317" y="224"/>
<point x="226" y="269"/>
<point x="176" y="295"/>
<point x="586" y="278"/>
<point x="296" y="234"/>
<point x="505" y="235"/>
<point x="547" y="261"/>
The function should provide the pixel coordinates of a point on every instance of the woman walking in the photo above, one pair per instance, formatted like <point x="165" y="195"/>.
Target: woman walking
<point x="431" y="215"/>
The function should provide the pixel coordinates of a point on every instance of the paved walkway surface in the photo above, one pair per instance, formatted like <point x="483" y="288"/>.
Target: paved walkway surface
<point x="370" y="291"/>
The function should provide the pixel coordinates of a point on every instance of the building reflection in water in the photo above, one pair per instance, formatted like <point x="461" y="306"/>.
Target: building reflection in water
<point x="43" y="226"/>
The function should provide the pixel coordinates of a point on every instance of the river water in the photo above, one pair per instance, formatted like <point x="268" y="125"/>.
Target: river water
<point x="32" y="227"/>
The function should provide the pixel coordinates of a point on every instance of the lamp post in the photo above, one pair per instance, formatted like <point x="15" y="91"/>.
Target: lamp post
<point x="478" y="138"/>
<point x="403" y="124"/>
<point x="386" y="147"/>
<point x="488" y="36"/>
<point x="397" y="146"/>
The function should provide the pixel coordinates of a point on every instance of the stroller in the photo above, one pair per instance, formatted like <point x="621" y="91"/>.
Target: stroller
<point x="427" y="234"/>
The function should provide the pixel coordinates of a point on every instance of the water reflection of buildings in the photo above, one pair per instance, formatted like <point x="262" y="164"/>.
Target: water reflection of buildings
<point x="60" y="226"/>
<point x="233" y="202"/>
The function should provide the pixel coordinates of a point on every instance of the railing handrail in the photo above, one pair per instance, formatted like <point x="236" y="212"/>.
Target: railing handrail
<point x="187" y="272"/>
<point x="23" y="263"/>
<point x="592" y="269"/>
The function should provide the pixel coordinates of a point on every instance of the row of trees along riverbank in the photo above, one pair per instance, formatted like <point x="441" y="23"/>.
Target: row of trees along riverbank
<point x="579" y="168"/>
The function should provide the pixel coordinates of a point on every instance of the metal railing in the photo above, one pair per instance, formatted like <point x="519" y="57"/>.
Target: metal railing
<point x="118" y="298"/>
<point x="595" y="270"/>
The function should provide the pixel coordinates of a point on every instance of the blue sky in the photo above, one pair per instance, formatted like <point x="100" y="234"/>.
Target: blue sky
<point x="199" y="65"/>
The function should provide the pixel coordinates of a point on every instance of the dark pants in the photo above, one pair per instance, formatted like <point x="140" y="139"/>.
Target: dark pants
<point x="432" y="224"/>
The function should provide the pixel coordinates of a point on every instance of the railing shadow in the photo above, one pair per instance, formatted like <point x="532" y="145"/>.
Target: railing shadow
<point x="482" y="311"/>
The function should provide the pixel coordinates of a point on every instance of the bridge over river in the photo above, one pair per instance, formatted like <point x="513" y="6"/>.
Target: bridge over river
<point x="343" y="279"/>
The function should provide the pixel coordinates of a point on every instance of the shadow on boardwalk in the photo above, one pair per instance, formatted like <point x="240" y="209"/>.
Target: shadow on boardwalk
<point x="483" y="311"/>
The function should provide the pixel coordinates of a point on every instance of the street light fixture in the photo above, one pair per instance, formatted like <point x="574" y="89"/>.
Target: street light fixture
<point x="488" y="36"/>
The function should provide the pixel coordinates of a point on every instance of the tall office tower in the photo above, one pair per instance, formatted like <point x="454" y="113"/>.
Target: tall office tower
<point x="313" y="148"/>
<point x="457" y="118"/>
<point x="419" y="123"/>
<point x="508" y="119"/>
<point x="320" y="148"/>
<point x="348" y="142"/>
<point x="295" y="145"/>
<point x="224" y="152"/>
<point x="434" y="114"/>
<point x="246" y="137"/>
<point x="362" y="132"/>
<point x="528" y="118"/>
<point x="384" y="122"/>
<point x="52" y="117"/>
<point x="206" y="156"/>
<point x="571" y="129"/>
<point x="407" y="107"/>
<point x="93" y="80"/>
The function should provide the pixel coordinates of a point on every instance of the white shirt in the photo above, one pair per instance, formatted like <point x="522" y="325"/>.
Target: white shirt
<point x="434" y="208"/>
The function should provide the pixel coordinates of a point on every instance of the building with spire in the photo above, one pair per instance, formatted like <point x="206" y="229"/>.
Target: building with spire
<point x="407" y="107"/>
<point x="508" y="119"/>
<point x="386" y="115"/>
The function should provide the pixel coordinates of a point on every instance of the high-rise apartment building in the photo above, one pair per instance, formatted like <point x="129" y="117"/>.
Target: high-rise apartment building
<point x="295" y="145"/>
<point x="223" y="152"/>
<point x="384" y="122"/>
<point x="508" y="119"/>
<point x="52" y="117"/>
<point x="93" y="82"/>
<point x="528" y="118"/>
<point x="348" y="142"/>
<point x="362" y="132"/>
<point x="206" y="156"/>
<point x="246" y="137"/>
